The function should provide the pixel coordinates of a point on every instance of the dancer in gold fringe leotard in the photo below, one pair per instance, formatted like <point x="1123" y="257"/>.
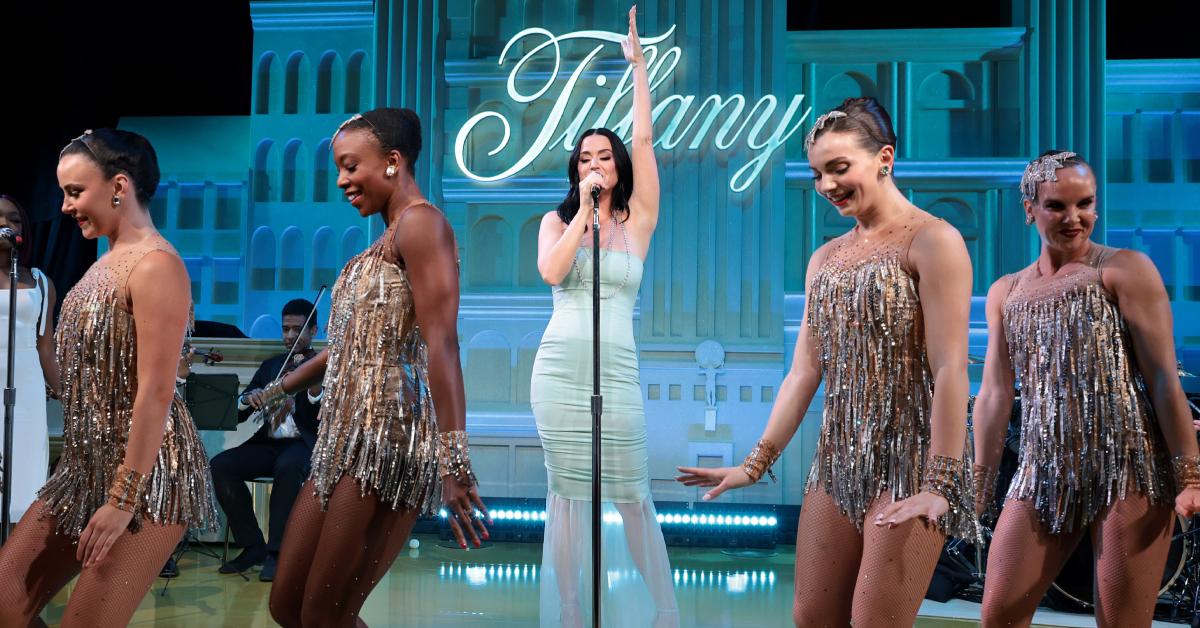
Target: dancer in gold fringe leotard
<point x="1086" y="332"/>
<point x="133" y="474"/>
<point x="886" y="327"/>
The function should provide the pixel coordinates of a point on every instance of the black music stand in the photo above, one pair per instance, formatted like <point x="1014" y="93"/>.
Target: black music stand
<point x="211" y="398"/>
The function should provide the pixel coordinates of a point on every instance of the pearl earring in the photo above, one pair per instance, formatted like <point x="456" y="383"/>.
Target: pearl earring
<point x="116" y="201"/>
<point x="391" y="171"/>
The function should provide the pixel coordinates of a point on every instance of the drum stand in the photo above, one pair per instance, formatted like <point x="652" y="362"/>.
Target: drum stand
<point x="1184" y="597"/>
<point x="960" y="552"/>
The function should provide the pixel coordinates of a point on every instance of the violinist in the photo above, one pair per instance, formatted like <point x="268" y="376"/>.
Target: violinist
<point x="280" y="449"/>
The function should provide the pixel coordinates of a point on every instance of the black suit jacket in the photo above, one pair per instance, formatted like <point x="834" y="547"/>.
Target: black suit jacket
<point x="304" y="415"/>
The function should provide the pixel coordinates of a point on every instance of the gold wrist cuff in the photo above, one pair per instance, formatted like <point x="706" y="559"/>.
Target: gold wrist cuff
<point x="760" y="460"/>
<point x="454" y="457"/>
<point x="127" y="489"/>
<point x="1187" y="471"/>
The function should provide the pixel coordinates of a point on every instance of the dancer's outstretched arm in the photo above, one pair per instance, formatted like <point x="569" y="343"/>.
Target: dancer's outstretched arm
<point x="795" y="395"/>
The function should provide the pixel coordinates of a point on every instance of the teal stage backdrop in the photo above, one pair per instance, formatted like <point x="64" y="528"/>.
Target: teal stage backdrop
<point x="504" y="86"/>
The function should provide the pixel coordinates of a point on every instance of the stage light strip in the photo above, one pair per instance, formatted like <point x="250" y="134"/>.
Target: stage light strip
<point x="479" y="574"/>
<point x="665" y="519"/>
<point x="733" y="581"/>
<point x="720" y="520"/>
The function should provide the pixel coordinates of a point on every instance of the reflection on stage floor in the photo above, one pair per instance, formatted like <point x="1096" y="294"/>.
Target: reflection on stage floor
<point x="498" y="587"/>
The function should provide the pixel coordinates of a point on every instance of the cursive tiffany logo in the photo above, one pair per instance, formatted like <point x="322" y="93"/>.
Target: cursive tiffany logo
<point x="724" y="123"/>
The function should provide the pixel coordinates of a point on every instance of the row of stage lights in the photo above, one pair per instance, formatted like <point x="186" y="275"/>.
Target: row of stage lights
<point x="691" y="519"/>
<point x="733" y="581"/>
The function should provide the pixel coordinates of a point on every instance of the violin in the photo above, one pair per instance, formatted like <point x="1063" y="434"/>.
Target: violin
<point x="277" y="412"/>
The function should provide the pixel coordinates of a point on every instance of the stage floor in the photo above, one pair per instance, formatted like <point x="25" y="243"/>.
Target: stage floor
<point x="498" y="587"/>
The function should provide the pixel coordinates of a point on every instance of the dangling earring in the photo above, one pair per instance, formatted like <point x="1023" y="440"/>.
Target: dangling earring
<point x="116" y="201"/>
<point x="884" y="171"/>
<point x="390" y="172"/>
<point x="1028" y="219"/>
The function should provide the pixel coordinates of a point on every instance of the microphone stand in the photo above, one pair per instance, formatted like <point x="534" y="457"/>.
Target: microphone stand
<point x="10" y="393"/>
<point x="597" y="406"/>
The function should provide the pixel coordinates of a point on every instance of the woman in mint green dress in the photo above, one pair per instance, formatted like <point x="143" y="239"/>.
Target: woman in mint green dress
<point x="640" y="590"/>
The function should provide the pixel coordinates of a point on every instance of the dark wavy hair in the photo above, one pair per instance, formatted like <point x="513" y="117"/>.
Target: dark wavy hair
<point x="117" y="151"/>
<point x="620" y="194"/>
<point x="25" y="253"/>
<point x="395" y="129"/>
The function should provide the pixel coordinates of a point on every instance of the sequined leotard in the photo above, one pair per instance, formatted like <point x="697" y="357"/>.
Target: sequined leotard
<point x="97" y="352"/>
<point x="865" y="314"/>
<point x="1087" y="428"/>
<point x="377" y="419"/>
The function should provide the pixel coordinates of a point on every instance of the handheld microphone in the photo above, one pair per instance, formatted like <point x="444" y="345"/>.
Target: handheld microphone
<point x="10" y="236"/>
<point x="596" y="208"/>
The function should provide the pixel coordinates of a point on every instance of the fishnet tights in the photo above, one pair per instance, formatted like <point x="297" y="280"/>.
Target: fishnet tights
<point x="37" y="562"/>
<point x="1131" y="539"/>
<point x="331" y="561"/>
<point x="874" y="578"/>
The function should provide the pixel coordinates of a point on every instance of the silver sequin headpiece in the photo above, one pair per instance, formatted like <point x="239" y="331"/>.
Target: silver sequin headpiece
<point x="357" y="116"/>
<point x="82" y="139"/>
<point x="1042" y="169"/>
<point x="820" y="124"/>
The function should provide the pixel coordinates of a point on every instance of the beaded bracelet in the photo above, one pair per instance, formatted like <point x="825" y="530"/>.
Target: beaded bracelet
<point x="942" y="477"/>
<point x="1187" y="471"/>
<point x="984" y="478"/>
<point x="454" y="457"/>
<point x="127" y="488"/>
<point x="273" y="394"/>
<point x="760" y="460"/>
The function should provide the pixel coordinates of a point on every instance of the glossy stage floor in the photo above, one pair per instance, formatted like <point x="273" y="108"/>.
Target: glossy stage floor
<point x="498" y="587"/>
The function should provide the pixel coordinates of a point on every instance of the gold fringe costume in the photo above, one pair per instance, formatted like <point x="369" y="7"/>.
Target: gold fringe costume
<point x="97" y="351"/>
<point x="864" y="312"/>
<point x="1088" y="431"/>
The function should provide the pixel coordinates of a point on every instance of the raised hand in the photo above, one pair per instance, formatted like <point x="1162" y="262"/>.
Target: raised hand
<point x="632" y="45"/>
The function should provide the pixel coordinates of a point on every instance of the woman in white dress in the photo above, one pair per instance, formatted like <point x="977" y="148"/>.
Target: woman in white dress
<point x="639" y="589"/>
<point x="36" y="369"/>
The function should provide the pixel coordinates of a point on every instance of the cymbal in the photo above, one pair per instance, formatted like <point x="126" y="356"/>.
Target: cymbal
<point x="974" y="359"/>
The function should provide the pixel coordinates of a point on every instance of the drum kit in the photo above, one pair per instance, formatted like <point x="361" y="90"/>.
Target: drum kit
<point x="1073" y="589"/>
